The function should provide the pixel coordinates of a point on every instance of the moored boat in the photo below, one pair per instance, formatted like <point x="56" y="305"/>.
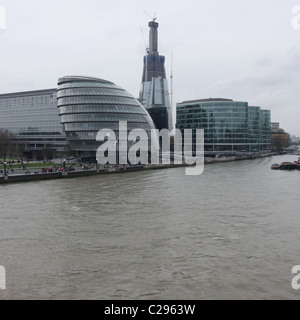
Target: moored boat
<point x="275" y="166"/>
<point x="286" y="166"/>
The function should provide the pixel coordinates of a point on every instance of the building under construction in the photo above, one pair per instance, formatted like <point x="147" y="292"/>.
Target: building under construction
<point x="154" y="93"/>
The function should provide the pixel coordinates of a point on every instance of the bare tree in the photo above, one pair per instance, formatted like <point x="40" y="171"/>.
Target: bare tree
<point x="7" y="143"/>
<point x="279" y="142"/>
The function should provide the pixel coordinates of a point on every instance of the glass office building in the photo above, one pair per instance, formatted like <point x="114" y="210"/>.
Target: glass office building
<point x="229" y="126"/>
<point x="254" y="129"/>
<point x="87" y="105"/>
<point x="33" y="118"/>
<point x="265" y="129"/>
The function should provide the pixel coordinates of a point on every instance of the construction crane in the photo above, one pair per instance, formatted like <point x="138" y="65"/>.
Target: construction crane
<point x="146" y="61"/>
<point x="153" y="18"/>
<point x="171" y="94"/>
<point x="146" y="45"/>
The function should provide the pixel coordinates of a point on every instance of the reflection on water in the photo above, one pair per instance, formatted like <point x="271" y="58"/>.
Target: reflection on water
<point x="231" y="233"/>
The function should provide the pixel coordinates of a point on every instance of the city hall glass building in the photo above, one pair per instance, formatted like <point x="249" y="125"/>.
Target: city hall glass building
<point x="33" y="118"/>
<point x="229" y="126"/>
<point x="87" y="105"/>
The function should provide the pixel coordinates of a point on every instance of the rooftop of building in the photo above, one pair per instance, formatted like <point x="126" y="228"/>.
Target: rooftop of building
<point x="278" y="131"/>
<point x="81" y="78"/>
<point x="207" y="100"/>
<point x="27" y="93"/>
<point x="52" y="90"/>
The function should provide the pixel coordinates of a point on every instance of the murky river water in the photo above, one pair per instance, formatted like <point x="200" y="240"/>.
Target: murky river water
<point x="231" y="233"/>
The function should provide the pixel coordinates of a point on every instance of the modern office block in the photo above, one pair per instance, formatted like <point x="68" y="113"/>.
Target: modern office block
<point x="265" y="128"/>
<point x="32" y="117"/>
<point x="229" y="126"/>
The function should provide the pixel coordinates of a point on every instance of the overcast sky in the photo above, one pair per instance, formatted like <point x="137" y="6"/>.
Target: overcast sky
<point x="244" y="50"/>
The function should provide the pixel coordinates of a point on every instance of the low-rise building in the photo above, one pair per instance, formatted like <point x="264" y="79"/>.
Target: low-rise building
<point x="229" y="126"/>
<point x="279" y="139"/>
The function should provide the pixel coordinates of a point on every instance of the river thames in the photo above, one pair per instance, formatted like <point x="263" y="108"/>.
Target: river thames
<point x="230" y="233"/>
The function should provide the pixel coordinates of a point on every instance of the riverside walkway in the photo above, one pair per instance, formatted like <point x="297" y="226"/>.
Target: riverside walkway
<point x="37" y="174"/>
<point x="61" y="174"/>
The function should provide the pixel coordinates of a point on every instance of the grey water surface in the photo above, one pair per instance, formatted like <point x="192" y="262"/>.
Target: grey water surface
<point x="230" y="233"/>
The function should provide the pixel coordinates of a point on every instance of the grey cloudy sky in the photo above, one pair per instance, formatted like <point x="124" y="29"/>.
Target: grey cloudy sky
<point x="240" y="49"/>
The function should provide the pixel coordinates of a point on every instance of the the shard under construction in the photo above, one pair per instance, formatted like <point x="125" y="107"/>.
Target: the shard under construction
<point x="154" y="93"/>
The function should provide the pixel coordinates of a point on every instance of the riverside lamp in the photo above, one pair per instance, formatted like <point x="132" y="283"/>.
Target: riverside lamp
<point x="4" y="165"/>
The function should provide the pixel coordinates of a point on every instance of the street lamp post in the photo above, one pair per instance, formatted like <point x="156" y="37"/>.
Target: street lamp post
<point x="5" y="175"/>
<point x="65" y="172"/>
<point x="97" y="165"/>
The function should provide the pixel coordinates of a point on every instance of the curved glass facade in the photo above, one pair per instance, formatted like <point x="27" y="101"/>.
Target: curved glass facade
<point x="228" y="125"/>
<point x="87" y="105"/>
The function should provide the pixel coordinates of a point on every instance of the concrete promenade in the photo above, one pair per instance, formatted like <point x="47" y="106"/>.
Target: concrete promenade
<point x="22" y="177"/>
<point x="14" y="178"/>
